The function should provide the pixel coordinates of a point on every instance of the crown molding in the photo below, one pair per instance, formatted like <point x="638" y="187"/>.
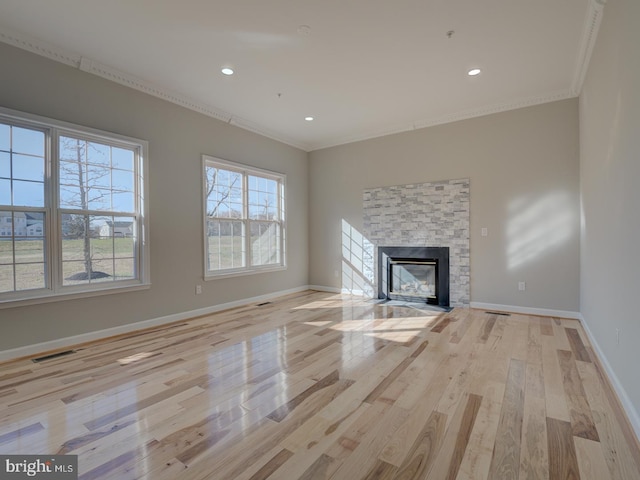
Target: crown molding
<point x="455" y="117"/>
<point x="592" y="20"/>
<point x="39" y="47"/>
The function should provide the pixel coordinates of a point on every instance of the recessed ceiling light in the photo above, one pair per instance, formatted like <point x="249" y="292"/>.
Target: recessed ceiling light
<point x="227" y="71"/>
<point x="309" y="119"/>
<point x="473" y="72"/>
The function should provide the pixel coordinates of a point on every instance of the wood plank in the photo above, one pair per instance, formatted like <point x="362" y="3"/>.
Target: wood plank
<point x="505" y="463"/>
<point x="577" y="347"/>
<point x="581" y="416"/>
<point x="420" y="457"/>
<point x="272" y="465"/>
<point x="590" y="459"/>
<point x="563" y="461"/>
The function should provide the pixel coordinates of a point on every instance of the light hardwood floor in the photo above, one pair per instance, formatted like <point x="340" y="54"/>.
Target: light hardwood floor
<point x="315" y="386"/>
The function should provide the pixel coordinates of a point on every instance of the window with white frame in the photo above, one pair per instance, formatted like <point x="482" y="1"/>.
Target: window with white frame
<point x="244" y="218"/>
<point x="72" y="209"/>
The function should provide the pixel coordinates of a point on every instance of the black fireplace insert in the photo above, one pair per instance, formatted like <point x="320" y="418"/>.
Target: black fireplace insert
<point x="414" y="274"/>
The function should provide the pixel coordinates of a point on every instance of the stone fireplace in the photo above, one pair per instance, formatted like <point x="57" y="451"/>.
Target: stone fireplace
<point x="421" y="215"/>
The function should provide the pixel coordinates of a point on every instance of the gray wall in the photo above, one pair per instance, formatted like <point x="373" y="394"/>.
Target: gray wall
<point x="524" y="172"/>
<point x="610" y="172"/>
<point x="177" y="137"/>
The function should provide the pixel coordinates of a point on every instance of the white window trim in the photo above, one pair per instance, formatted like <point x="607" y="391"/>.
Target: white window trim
<point x="56" y="291"/>
<point x="245" y="170"/>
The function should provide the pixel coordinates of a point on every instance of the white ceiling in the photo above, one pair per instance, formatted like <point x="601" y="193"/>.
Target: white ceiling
<point x="365" y="69"/>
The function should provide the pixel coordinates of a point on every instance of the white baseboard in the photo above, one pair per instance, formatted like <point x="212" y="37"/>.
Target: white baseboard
<point x="38" y="348"/>
<point x="545" y="312"/>
<point x="627" y="404"/>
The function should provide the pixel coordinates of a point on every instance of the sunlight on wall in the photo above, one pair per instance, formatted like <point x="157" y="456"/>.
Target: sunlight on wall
<point x="535" y="227"/>
<point x="357" y="262"/>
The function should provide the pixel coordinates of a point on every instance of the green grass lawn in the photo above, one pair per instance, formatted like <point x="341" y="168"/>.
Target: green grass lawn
<point x="112" y="256"/>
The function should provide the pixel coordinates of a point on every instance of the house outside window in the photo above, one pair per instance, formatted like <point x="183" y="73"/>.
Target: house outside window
<point x="244" y="219"/>
<point x="62" y="189"/>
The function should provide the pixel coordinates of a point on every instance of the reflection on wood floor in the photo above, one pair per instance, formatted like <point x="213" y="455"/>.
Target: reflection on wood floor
<point x="316" y="385"/>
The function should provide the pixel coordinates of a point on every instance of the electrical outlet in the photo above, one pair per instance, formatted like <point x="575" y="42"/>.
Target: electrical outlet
<point x="336" y="273"/>
<point x="198" y="289"/>
<point x="618" y="337"/>
<point x="484" y="231"/>
<point x="522" y="286"/>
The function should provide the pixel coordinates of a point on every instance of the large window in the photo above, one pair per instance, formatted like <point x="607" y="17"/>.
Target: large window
<point x="244" y="218"/>
<point x="72" y="209"/>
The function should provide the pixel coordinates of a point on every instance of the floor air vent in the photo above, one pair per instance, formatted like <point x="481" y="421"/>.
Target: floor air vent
<point x="263" y="304"/>
<point x="499" y="313"/>
<point x="52" y="356"/>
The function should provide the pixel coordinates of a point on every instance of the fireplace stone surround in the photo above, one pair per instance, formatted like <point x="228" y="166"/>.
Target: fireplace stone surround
<point x="434" y="214"/>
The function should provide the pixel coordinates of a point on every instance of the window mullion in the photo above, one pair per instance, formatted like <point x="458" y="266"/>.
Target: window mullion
<point x="53" y="216"/>
<point x="248" y="260"/>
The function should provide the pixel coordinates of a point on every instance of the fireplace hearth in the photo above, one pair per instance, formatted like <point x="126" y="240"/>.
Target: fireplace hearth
<point x="414" y="274"/>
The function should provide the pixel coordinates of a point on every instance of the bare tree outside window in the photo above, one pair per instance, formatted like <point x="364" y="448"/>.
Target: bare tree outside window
<point x="91" y="185"/>
<point x="244" y="218"/>
<point x="73" y="209"/>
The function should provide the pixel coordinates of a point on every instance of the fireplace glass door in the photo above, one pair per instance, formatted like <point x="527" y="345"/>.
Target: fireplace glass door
<point x="413" y="279"/>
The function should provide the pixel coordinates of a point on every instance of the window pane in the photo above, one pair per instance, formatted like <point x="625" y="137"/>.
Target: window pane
<point x="5" y="165"/>
<point x="30" y="276"/>
<point x="5" y="192"/>
<point x="73" y="273"/>
<point x="124" y="247"/>
<point x="102" y="270"/>
<point x="72" y="149"/>
<point x="70" y="197"/>
<point x="71" y="172"/>
<point x="224" y="193"/>
<point x="28" y="194"/>
<point x="6" y="273"/>
<point x="123" y="202"/>
<point x="28" y="141"/>
<point x="122" y="180"/>
<point x="28" y="168"/>
<point x="76" y="237"/>
<point x="106" y="253"/>
<point x="98" y="176"/>
<point x="99" y="199"/>
<point x="226" y="244"/>
<point x="125" y="269"/>
<point x="122" y="158"/>
<point x="6" y="241"/>
<point x="5" y="137"/>
<point x="265" y="243"/>
<point x="30" y="250"/>
<point x="263" y="201"/>
<point x="30" y="237"/>
<point x="98" y="153"/>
